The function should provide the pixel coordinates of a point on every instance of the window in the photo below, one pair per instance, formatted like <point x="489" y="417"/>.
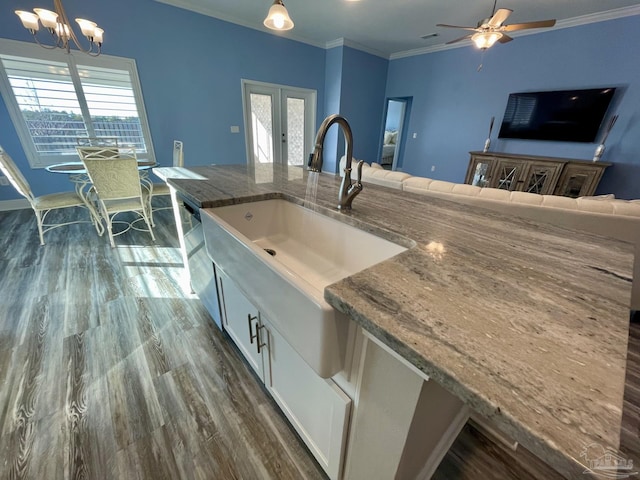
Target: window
<point x="54" y="98"/>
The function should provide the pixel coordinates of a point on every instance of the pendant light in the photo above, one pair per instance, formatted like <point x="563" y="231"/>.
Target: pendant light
<point x="278" y="17"/>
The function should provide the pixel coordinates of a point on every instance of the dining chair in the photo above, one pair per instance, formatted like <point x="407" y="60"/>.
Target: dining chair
<point x="98" y="152"/>
<point x="161" y="188"/>
<point x="97" y="141"/>
<point x="116" y="181"/>
<point x="43" y="204"/>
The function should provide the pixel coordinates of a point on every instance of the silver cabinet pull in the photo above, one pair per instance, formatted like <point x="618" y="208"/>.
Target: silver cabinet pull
<point x="252" y="335"/>
<point x="259" y="342"/>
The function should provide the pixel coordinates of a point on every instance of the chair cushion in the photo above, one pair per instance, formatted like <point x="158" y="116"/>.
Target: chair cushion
<point x="58" y="200"/>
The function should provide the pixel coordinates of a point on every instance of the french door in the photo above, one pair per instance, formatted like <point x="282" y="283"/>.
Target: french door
<point x="279" y="123"/>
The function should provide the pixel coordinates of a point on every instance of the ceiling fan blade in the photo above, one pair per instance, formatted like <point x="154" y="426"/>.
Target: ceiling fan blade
<point x="459" y="39"/>
<point x="454" y="26"/>
<point x="499" y="17"/>
<point x="505" y="38"/>
<point x="522" y="26"/>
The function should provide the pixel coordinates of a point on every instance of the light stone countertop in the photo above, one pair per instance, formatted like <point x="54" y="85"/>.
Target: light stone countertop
<point x="527" y="323"/>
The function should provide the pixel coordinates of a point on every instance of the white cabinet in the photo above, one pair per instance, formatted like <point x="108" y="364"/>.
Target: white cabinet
<point x="317" y="408"/>
<point x="241" y="321"/>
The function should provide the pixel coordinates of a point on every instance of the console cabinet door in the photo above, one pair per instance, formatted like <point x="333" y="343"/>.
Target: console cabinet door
<point x="509" y="175"/>
<point x="241" y="321"/>
<point x="316" y="407"/>
<point x="541" y="178"/>
<point x="480" y="171"/>
<point x="579" y="180"/>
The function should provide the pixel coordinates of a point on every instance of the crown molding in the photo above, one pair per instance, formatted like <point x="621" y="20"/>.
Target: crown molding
<point x="345" y="42"/>
<point x="196" y="6"/>
<point x="566" y="23"/>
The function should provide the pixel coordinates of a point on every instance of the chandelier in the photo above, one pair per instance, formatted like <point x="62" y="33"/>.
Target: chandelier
<point x="59" y="27"/>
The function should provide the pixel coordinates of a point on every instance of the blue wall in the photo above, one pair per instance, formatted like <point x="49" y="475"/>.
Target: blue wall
<point x="354" y="85"/>
<point x="453" y="102"/>
<point x="190" y="67"/>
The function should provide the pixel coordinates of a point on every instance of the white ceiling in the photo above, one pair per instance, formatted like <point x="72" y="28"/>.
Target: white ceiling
<point x="392" y="28"/>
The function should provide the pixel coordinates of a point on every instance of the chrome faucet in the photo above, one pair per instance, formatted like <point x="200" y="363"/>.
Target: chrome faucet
<point x="348" y="190"/>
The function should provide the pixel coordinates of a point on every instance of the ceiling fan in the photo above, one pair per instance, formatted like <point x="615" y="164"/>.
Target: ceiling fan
<point x="491" y="30"/>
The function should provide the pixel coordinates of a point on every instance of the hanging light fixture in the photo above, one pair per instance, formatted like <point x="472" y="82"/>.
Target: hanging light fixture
<point x="278" y="17"/>
<point x="484" y="40"/>
<point x="60" y="29"/>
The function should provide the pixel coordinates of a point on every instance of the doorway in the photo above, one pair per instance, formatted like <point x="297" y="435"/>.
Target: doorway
<point x="279" y="123"/>
<point x="392" y="138"/>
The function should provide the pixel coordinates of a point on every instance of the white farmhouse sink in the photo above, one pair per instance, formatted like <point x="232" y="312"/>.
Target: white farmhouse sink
<point x="311" y="252"/>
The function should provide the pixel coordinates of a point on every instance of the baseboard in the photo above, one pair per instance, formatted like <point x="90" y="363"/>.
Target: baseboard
<point x="18" y="204"/>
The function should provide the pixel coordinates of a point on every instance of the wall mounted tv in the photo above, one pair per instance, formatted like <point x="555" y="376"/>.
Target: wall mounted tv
<point x="562" y="115"/>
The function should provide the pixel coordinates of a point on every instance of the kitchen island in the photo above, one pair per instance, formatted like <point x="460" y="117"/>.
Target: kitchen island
<point x="526" y="323"/>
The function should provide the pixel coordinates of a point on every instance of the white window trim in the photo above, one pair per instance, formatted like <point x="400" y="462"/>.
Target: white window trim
<point x="32" y="50"/>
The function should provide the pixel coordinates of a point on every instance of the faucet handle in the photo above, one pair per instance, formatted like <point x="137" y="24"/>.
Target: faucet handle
<point x="360" y="164"/>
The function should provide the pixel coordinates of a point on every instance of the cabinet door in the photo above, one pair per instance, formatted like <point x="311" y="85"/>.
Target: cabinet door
<point x="316" y="407"/>
<point x="579" y="180"/>
<point x="480" y="171"/>
<point x="541" y="178"/>
<point x="241" y="322"/>
<point x="509" y="175"/>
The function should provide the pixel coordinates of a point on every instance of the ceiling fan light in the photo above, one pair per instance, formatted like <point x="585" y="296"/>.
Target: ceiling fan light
<point x="484" y="40"/>
<point x="278" y="17"/>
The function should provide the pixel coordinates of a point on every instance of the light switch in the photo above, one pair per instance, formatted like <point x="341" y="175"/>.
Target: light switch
<point x="415" y="135"/>
<point x="235" y="129"/>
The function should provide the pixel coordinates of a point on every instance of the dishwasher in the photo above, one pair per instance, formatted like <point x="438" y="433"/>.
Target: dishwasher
<point x="200" y="267"/>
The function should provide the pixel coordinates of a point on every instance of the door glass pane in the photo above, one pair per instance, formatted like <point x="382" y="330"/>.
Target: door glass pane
<point x="480" y="176"/>
<point x="262" y="128"/>
<point x="508" y="177"/>
<point x="537" y="180"/>
<point x="295" y="131"/>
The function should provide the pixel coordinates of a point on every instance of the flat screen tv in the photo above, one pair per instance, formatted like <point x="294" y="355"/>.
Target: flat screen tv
<point x="562" y="115"/>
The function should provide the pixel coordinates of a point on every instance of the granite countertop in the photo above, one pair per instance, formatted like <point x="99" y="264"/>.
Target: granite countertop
<point x="525" y="322"/>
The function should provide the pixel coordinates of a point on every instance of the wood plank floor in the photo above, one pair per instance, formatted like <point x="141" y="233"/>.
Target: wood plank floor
<point x="108" y="370"/>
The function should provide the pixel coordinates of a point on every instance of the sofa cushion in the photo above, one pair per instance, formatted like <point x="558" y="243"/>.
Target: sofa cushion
<point x="495" y="194"/>
<point x="465" y="189"/>
<point x="527" y="198"/>
<point x="624" y="207"/>
<point x="417" y="184"/>
<point x="556" y="201"/>
<point x="441" y="186"/>
<point x="597" y="206"/>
